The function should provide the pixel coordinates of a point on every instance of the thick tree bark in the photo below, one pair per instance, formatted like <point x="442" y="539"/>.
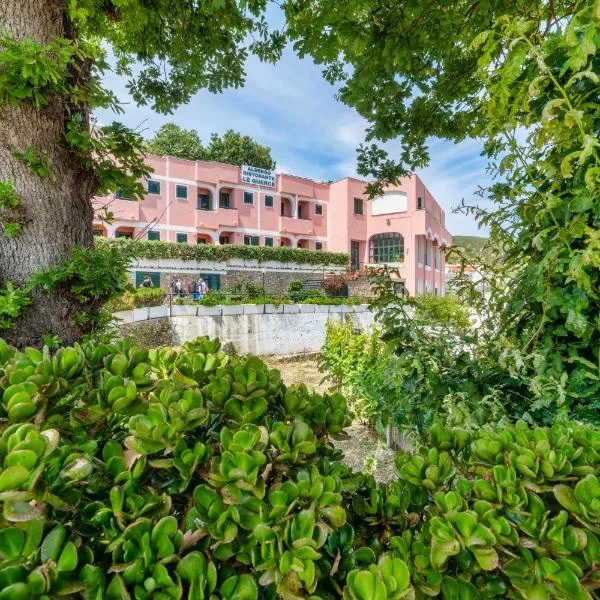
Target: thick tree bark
<point x="55" y="211"/>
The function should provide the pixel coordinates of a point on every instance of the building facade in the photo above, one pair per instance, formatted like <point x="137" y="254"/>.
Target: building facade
<point x="214" y="203"/>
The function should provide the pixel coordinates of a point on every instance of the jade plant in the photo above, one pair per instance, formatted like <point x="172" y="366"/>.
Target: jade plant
<point x="190" y="473"/>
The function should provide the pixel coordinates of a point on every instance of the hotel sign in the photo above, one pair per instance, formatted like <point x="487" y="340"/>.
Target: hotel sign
<point x="258" y="176"/>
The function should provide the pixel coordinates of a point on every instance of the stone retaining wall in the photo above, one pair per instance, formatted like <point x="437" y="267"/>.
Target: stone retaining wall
<point x="256" y="328"/>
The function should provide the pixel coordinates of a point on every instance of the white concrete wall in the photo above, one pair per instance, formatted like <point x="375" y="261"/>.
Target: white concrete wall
<point x="258" y="329"/>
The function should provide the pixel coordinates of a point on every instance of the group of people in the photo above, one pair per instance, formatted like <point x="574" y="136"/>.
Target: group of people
<point x="197" y="287"/>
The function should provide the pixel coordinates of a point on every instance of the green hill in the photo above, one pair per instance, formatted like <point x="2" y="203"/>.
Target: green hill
<point x="471" y="246"/>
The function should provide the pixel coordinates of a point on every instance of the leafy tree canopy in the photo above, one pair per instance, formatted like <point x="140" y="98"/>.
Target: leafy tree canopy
<point x="232" y="147"/>
<point x="172" y="140"/>
<point x="237" y="149"/>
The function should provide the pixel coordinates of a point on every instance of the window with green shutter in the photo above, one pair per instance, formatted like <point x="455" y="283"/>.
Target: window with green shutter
<point x="358" y="206"/>
<point x="154" y="236"/>
<point x="181" y="238"/>
<point x="269" y="241"/>
<point x="224" y="200"/>
<point x="269" y="201"/>
<point x="153" y="187"/>
<point x="248" y="198"/>
<point x="181" y="192"/>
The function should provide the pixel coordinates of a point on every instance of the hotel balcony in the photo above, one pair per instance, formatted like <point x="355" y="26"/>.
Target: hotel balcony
<point x="296" y="226"/>
<point x="214" y="219"/>
<point x="123" y="210"/>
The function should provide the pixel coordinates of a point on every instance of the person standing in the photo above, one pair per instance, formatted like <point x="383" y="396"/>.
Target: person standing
<point x="193" y="289"/>
<point x="147" y="282"/>
<point x="202" y="288"/>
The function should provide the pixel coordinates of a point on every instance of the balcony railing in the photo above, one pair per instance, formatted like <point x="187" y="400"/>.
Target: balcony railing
<point x="213" y="219"/>
<point x="296" y="226"/>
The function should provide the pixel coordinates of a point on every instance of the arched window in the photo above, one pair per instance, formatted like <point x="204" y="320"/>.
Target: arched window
<point x="386" y="248"/>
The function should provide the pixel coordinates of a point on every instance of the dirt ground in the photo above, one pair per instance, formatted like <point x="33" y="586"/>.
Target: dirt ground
<point x="362" y="450"/>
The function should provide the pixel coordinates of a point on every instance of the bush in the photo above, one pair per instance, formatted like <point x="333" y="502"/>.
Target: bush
<point x="296" y="290"/>
<point x="192" y="474"/>
<point x="336" y="285"/>
<point x="137" y="298"/>
<point x="158" y="250"/>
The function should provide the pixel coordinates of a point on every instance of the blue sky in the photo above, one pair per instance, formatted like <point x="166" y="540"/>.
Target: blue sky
<point x="292" y="109"/>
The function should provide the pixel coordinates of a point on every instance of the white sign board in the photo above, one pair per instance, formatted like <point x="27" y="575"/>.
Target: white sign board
<point x="390" y="202"/>
<point x="258" y="176"/>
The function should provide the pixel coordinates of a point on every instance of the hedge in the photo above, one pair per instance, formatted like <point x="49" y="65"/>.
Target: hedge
<point x="159" y="250"/>
<point x="166" y="474"/>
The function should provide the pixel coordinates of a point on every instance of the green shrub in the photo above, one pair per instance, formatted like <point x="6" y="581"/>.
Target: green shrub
<point x="158" y="250"/>
<point x="188" y="473"/>
<point x="136" y="298"/>
<point x="296" y="291"/>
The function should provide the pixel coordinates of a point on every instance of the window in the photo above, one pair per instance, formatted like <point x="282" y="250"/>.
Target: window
<point x="300" y="211"/>
<point x="181" y="238"/>
<point x="269" y="201"/>
<point x="203" y="202"/>
<point x="355" y="254"/>
<point x="181" y="192"/>
<point x="420" y="250"/>
<point x="427" y="253"/>
<point x="97" y="232"/>
<point x="420" y="203"/>
<point x="121" y="195"/>
<point x="251" y="240"/>
<point x="358" y="206"/>
<point x="224" y="200"/>
<point x="420" y="286"/>
<point x="248" y="198"/>
<point x="153" y="235"/>
<point x="154" y="277"/>
<point x="282" y="208"/>
<point x="318" y="245"/>
<point x="224" y="239"/>
<point x="386" y="248"/>
<point x="269" y="241"/>
<point x="436" y="291"/>
<point x="124" y="234"/>
<point x="438" y="257"/>
<point x="153" y="187"/>
<point x="318" y="209"/>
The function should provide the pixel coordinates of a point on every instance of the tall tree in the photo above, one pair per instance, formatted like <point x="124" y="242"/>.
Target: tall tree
<point x="172" y="140"/>
<point x="525" y="77"/>
<point x="232" y="147"/>
<point x="52" y="163"/>
<point x="237" y="149"/>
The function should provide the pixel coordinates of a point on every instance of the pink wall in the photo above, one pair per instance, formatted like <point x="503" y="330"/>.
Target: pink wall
<point x="335" y="229"/>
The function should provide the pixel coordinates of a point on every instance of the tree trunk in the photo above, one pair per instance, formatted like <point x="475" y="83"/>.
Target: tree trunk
<point x="55" y="211"/>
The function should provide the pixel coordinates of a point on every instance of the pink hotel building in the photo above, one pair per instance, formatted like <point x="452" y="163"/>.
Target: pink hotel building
<point x="214" y="203"/>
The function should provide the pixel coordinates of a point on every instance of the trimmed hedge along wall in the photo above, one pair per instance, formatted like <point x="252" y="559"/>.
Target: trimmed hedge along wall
<point x="158" y="250"/>
<point x="129" y="474"/>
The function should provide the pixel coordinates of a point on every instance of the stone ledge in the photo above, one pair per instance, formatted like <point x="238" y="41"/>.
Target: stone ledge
<point x="140" y="314"/>
<point x="274" y="309"/>
<point x="235" y="309"/>
<point x="184" y="310"/>
<point x="253" y="309"/>
<point x="307" y="308"/>
<point x="158" y="312"/>
<point x="291" y="309"/>
<point x="209" y="311"/>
